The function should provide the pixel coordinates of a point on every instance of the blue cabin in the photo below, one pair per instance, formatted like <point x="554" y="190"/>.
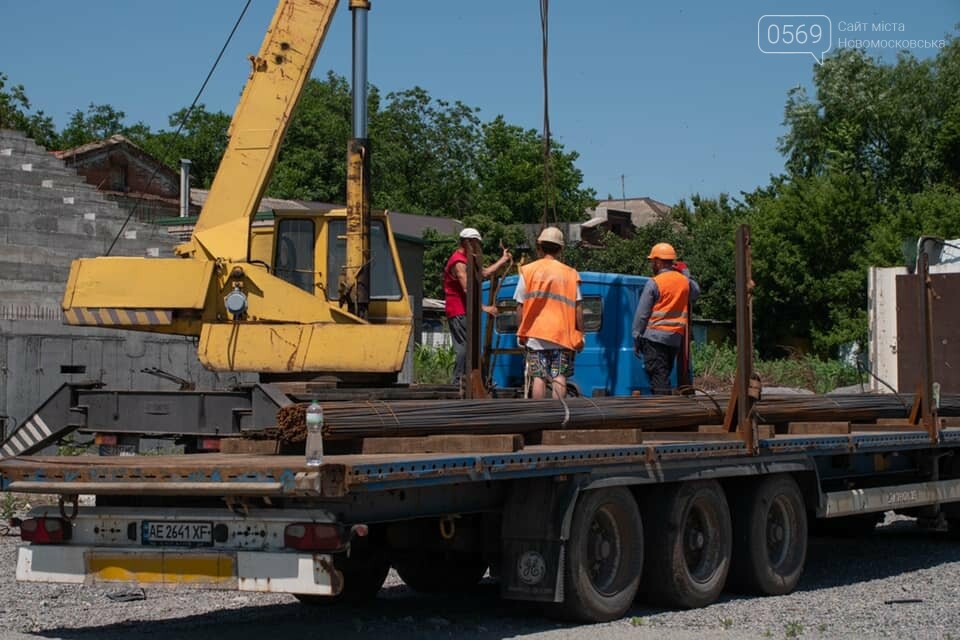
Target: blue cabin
<point x="607" y="364"/>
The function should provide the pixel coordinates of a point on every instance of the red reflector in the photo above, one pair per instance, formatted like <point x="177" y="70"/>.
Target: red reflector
<point x="105" y="438"/>
<point x="44" y="530"/>
<point x="309" y="536"/>
<point x="209" y="444"/>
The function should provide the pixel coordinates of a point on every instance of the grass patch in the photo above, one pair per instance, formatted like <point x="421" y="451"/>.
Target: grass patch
<point x="714" y="366"/>
<point x="12" y="504"/>
<point x="433" y="365"/>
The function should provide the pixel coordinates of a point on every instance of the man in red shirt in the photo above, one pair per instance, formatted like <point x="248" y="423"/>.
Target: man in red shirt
<point x="455" y="294"/>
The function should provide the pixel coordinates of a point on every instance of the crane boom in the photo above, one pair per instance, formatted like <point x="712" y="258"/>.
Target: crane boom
<point x="278" y="75"/>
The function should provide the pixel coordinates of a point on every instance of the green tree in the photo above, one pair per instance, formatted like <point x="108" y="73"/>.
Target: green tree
<point x="17" y="113"/>
<point x="426" y="153"/>
<point x="202" y="140"/>
<point x="871" y="164"/>
<point x="99" y="122"/>
<point x="311" y="164"/>
<point x="708" y="249"/>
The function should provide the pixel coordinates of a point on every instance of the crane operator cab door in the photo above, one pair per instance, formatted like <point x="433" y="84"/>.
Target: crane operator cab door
<point x="309" y="251"/>
<point x="301" y="325"/>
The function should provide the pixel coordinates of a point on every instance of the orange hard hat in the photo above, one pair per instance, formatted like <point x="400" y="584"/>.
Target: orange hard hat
<point x="662" y="250"/>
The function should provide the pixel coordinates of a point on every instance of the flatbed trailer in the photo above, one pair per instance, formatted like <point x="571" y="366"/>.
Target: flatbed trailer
<point x="584" y="520"/>
<point x="679" y="516"/>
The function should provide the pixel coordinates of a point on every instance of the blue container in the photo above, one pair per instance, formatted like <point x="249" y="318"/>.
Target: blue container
<point x="607" y="364"/>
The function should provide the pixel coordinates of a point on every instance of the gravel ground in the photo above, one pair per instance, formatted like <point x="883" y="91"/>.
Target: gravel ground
<point x="900" y="583"/>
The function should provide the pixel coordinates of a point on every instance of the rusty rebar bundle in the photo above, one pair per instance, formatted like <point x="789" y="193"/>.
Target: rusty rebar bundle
<point x="348" y="420"/>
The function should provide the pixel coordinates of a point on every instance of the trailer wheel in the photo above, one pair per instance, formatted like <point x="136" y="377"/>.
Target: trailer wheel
<point x="604" y="556"/>
<point x="441" y="572"/>
<point x="689" y="543"/>
<point x="362" y="579"/>
<point x="770" y="536"/>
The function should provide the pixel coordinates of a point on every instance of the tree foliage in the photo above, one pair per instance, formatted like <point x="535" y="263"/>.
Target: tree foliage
<point x="872" y="163"/>
<point x="202" y="140"/>
<point x="17" y="113"/>
<point x="429" y="156"/>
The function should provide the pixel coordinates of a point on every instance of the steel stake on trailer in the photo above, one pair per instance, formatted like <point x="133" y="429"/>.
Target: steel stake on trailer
<point x="925" y="404"/>
<point x="739" y="416"/>
<point x="473" y="378"/>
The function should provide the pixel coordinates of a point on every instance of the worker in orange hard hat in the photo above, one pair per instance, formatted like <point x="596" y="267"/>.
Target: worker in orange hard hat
<point x="550" y="307"/>
<point x="455" y="293"/>
<point x="662" y="321"/>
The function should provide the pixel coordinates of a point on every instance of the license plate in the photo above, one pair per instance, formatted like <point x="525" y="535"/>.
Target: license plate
<point x="187" y="534"/>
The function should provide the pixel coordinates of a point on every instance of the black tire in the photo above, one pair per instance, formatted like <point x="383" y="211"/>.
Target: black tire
<point x="604" y="556"/>
<point x="769" y="536"/>
<point x="362" y="579"/>
<point x="689" y="540"/>
<point x="441" y="572"/>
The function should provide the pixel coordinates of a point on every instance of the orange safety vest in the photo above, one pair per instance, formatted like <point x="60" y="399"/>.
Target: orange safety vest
<point x="550" y="303"/>
<point x="670" y="310"/>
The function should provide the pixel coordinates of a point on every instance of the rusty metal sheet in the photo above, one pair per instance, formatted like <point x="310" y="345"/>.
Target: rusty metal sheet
<point x="946" y="333"/>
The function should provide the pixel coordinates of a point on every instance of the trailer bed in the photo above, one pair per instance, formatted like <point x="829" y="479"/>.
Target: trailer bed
<point x="289" y="476"/>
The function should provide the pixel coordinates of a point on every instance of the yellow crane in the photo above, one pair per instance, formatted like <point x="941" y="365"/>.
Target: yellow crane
<point x="318" y="293"/>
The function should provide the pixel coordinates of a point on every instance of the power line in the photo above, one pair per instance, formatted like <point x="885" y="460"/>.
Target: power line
<point x="549" y="202"/>
<point x="183" y="120"/>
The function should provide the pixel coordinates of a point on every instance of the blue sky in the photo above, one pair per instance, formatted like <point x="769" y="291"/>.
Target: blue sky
<point x="676" y="97"/>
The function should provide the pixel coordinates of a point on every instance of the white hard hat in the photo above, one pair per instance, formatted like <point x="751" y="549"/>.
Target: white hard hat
<point x="470" y="234"/>
<point x="551" y="235"/>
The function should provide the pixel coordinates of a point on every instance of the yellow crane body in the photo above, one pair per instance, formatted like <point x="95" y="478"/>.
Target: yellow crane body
<point x="269" y="300"/>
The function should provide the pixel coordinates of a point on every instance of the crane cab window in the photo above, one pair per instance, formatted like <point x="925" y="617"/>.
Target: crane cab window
<point x="384" y="282"/>
<point x="294" y="261"/>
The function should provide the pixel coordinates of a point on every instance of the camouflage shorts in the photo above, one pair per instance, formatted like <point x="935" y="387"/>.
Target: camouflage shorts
<point x="550" y="363"/>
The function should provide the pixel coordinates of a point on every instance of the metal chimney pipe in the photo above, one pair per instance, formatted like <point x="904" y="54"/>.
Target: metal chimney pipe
<point x="184" y="188"/>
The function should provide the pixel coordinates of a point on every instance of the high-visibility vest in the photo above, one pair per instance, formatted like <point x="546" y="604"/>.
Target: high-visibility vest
<point x="550" y="303"/>
<point x="670" y="310"/>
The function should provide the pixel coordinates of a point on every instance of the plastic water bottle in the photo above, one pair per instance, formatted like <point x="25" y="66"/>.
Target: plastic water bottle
<point x="314" y="434"/>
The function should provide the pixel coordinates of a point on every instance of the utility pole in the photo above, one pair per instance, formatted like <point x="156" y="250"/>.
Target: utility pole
<point x="623" y="190"/>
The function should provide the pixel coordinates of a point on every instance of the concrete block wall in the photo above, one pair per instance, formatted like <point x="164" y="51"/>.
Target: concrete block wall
<point x="49" y="216"/>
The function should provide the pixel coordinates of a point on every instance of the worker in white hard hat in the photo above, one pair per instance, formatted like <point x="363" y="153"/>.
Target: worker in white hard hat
<point x="455" y="293"/>
<point x="662" y="320"/>
<point x="550" y="308"/>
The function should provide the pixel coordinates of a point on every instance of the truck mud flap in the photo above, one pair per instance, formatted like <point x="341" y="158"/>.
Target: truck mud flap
<point x="535" y="523"/>
<point x="48" y="424"/>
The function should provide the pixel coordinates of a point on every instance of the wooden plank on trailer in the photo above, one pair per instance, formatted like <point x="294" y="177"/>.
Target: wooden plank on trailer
<point x="894" y="422"/>
<point x="591" y="436"/>
<point x="484" y="443"/>
<point x="817" y="428"/>
<point x="711" y="428"/>
<point x="487" y="443"/>
<point x="394" y="445"/>
<point x="896" y="426"/>
<point x="245" y="445"/>
<point x="951" y="422"/>
<point x="688" y="436"/>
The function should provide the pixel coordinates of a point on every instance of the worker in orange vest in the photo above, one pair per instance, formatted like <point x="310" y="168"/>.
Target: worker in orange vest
<point x="662" y="318"/>
<point x="550" y="308"/>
